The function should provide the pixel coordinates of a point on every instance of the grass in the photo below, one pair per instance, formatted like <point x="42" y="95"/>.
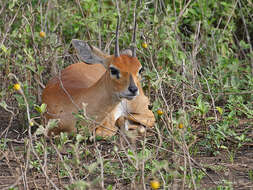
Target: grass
<point x="198" y="75"/>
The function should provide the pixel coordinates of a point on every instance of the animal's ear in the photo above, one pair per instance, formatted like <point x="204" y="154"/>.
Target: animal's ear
<point x="126" y="52"/>
<point x="88" y="53"/>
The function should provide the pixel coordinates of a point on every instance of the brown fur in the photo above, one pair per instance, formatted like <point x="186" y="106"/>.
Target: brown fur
<point x="91" y="84"/>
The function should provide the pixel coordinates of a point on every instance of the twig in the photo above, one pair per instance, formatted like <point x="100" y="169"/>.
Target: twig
<point x="181" y="13"/>
<point x="101" y="167"/>
<point x="18" y="170"/>
<point x="9" y="26"/>
<point x="143" y="165"/>
<point x="80" y="7"/>
<point x="64" y="164"/>
<point x="30" y="143"/>
<point x="186" y="153"/>
<point x="185" y="165"/>
<point x="247" y="35"/>
<point x="210" y="94"/>
<point x="123" y="147"/>
<point x="231" y="14"/>
<point x="3" y="6"/>
<point x="183" y="86"/>
<point x="99" y="26"/>
<point x="9" y="125"/>
<point x="66" y="92"/>
<point x="14" y="184"/>
<point x="195" y="51"/>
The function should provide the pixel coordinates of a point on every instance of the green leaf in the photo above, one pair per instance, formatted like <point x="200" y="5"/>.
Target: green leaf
<point x="3" y="105"/>
<point x="155" y="19"/>
<point x="40" y="130"/>
<point x="109" y="187"/>
<point x="223" y="147"/>
<point x="52" y="123"/>
<point x="43" y="108"/>
<point x="79" y="138"/>
<point x="31" y="67"/>
<point x="4" y="48"/>
<point x="220" y="110"/>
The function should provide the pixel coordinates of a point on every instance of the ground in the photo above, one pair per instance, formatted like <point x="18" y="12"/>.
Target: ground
<point x="236" y="172"/>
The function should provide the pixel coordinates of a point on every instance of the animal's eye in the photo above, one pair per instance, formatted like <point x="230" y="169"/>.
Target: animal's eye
<point x="141" y="70"/>
<point x="114" y="71"/>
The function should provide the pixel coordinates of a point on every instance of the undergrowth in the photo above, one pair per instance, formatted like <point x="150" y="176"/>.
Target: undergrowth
<point x="198" y="62"/>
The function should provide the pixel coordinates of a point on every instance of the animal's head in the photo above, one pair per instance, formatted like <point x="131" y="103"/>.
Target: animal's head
<point x="123" y="69"/>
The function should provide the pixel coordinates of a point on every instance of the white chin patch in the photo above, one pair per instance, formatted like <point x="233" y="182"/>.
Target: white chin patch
<point x="121" y="109"/>
<point x="126" y="125"/>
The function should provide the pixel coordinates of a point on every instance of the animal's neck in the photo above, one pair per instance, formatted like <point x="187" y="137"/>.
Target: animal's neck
<point x="100" y="97"/>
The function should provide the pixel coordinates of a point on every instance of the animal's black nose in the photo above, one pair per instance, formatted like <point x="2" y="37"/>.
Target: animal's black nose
<point x="133" y="89"/>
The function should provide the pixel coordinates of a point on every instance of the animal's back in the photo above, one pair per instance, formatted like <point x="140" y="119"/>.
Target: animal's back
<point x="70" y="82"/>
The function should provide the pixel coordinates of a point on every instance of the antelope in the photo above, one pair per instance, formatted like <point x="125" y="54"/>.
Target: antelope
<point x="109" y="85"/>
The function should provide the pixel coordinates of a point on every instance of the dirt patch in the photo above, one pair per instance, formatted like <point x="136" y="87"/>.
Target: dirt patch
<point x="224" y="170"/>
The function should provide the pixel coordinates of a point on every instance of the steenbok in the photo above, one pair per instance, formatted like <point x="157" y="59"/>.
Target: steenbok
<point x="109" y="87"/>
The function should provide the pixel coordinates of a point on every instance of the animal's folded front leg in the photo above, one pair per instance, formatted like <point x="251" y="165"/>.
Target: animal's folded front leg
<point x="107" y="128"/>
<point x="145" y="119"/>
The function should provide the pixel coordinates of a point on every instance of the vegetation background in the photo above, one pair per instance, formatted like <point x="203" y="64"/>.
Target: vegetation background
<point x="198" y="61"/>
